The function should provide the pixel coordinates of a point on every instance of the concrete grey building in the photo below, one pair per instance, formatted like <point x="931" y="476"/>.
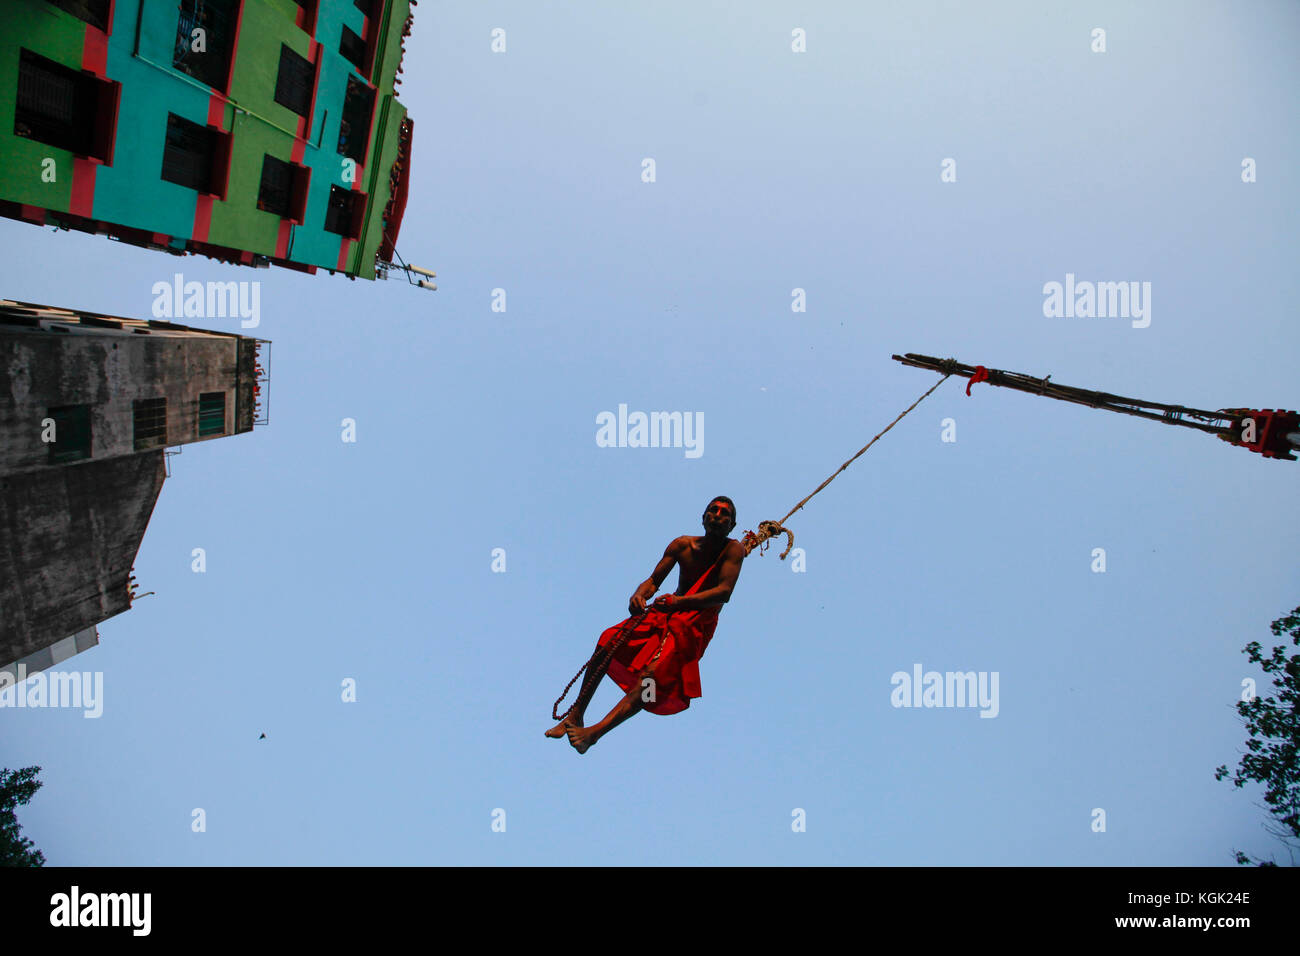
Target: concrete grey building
<point x="88" y="404"/>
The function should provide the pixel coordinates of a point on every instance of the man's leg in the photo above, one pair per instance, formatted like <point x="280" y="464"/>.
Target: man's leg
<point x="582" y="738"/>
<point x="597" y="667"/>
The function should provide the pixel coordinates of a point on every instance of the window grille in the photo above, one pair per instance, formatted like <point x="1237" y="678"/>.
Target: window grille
<point x="353" y="49"/>
<point x="150" y="423"/>
<point x="212" y="413"/>
<point x="294" y="82"/>
<point x="55" y="105"/>
<point x="338" y="215"/>
<point x="216" y="18"/>
<point x="277" y="186"/>
<point x="187" y="157"/>
<point x="354" y="128"/>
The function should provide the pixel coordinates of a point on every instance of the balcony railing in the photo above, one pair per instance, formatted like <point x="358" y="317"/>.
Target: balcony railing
<point x="261" y="382"/>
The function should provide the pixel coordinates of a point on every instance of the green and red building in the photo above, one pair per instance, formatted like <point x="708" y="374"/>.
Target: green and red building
<point x="250" y="131"/>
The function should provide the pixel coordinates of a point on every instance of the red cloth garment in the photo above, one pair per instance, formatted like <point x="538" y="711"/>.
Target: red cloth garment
<point x="680" y="638"/>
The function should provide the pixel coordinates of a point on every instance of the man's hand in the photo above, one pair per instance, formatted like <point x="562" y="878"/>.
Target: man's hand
<point x="651" y="584"/>
<point x="644" y="593"/>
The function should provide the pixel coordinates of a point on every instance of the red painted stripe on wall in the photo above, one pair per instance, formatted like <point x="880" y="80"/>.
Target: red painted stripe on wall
<point x="282" y="239"/>
<point x="202" y="218"/>
<point x="344" y="248"/>
<point x="217" y="111"/>
<point x="82" y="200"/>
<point x="94" y="51"/>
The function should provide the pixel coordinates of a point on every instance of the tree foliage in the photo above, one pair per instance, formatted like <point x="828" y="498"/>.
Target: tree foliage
<point x="1273" y="750"/>
<point x="17" y="787"/>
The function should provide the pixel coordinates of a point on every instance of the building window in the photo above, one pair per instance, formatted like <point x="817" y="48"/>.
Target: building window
<point x="354" y="128"/>
<point x="210" y="62"/>
<point x="365" y="6"/>
<point x="212" y="413"/>
<point x="353" y="49"/>
<point x="343" y="215"/>
<point x="63" y="108"/>
<point x="197" y="157"/>
<point x="294" y="82"/>
<point x="71" y="433"/>
<point x="277" y="186"/>
<point x="150" y="423"/>
<point x="94" y="12"/>
<point x="283" y="189"/>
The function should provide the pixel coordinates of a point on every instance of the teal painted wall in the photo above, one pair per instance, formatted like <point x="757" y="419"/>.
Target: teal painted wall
<point x="132" y="191"/>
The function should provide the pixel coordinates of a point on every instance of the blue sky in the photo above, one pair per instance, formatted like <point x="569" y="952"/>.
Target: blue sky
<point x="476" y="430"/>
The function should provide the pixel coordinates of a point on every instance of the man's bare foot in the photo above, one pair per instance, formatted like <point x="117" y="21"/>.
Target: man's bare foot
<point x="559" y="729"/>
<point x="581" y="738"/>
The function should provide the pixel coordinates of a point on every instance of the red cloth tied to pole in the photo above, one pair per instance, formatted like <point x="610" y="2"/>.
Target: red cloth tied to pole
<point x="679" y="637"/>
<point x="981" y="375"/>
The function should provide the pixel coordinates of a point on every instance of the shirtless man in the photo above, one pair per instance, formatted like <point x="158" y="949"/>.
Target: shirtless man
<point x="657" y="666"/>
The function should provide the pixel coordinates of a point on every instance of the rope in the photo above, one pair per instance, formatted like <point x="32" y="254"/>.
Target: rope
<point x="770" y="529"/>
<point x="599" y="671"/>
<point x="766" y="531"/>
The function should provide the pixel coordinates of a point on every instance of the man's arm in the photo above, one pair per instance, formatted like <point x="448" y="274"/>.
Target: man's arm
<point x="720" y="594"/>
<point x="652" y="584"/>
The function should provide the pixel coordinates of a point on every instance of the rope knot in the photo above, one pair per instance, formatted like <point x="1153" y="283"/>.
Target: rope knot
<point x="766" y="531"/>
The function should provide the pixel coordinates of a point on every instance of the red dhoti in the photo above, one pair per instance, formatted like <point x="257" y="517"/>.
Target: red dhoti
<point x="679" y="639"/>
<point x="671" y="645"/>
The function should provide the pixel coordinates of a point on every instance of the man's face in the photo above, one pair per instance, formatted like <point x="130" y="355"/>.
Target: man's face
<point x="719" y="518"/>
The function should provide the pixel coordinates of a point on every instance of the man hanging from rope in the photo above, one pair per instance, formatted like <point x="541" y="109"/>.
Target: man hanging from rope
<point x="656" y="651"/>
